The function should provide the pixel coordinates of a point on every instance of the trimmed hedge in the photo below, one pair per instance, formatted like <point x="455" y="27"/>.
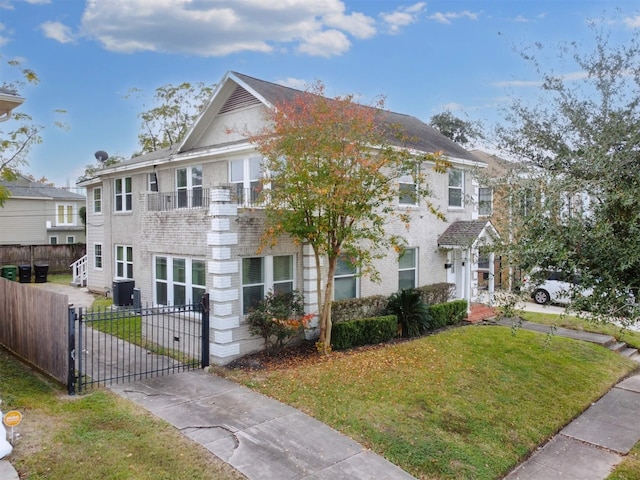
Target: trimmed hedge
<point x="436" y="293"/>
<point x="365" y="331"/>
<point x="358" y="308"/>
<point x="450" y="313"/>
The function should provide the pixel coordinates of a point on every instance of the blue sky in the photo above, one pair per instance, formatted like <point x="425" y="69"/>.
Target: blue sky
<point x="424" y="57"/>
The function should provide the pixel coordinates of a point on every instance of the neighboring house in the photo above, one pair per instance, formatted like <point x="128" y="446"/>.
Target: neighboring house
<point x="9" y="99"/>
<point x="183" y="221"/>
<point x="38" y="214"/>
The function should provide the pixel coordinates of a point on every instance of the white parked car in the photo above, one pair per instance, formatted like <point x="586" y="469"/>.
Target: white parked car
<point x="557" y="288"/>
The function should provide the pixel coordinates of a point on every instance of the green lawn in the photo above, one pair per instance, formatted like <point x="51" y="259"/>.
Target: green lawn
<point x="470" y="402"/>
<point x="95" y="436"/>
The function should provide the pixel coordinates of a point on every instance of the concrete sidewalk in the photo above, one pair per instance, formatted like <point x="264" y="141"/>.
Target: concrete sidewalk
<point x="259" y="436"/>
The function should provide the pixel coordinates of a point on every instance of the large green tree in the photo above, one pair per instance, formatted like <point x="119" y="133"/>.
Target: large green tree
<point x="579" y="209"/>
<point x="458" y="130"/>
<point x="174" y="109"/>
<point x="334" y="168"/>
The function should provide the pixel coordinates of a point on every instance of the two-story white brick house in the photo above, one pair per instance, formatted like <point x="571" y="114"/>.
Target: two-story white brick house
<point x="182" y="221"/>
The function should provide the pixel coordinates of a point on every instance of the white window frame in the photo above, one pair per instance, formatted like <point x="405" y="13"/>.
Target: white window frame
<point x="171" y="282"/>
<point x="352" y="274"/>
<point x="68" y="214"/>
<point x="98" y="259"/>
<point x="269" y="282"/>
<point x="247" y="175"/>
<point x="125" y="195"/>
<point x="413" y="267"/>
<point x="454" y="187"/>
<point x="487" y="204"/>
<point x="124" y="263"/>
<point x="187" y="195"/>
<point x="97" y="200"/>
<point x="73" y="239"/>
<point x="53" y="240"/>
<point x="407" y="192"/>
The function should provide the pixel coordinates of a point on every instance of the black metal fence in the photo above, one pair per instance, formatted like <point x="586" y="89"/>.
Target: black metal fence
<point x="115" y="345"/>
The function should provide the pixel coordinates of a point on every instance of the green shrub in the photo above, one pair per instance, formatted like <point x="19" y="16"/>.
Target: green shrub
<point x="449" y="313"/>
<point x="412" y="312"/>
<point x="436" y="293"/>
<point x="365" y="331"/>
<point x="357" y="308"/>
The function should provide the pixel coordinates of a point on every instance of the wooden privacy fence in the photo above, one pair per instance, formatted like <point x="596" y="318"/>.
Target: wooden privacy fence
<point x="34" y="324"/>
<point x="58" y="257"/>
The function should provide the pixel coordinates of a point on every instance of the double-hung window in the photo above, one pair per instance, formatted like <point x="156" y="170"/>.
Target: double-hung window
<point x="246" y="175"/>
<point x="345" y="280"/>
<point x="64" y="214"/>
<point x="407" y="192"/>
<point x="97" y="200"/>
<point x="189" y="186"/>
<point x="123" y="194"/>
<point x="97" y="256"/>
<point x="407" y="269"/>
<point x="456" y="188"/>
<point x="261" y="274"/>
<point x="179" y="281"/>
<point x="124" y="261"/>
<point x="484" y="201"/>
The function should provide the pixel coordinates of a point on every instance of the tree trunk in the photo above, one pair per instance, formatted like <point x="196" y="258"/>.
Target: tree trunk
<point x="325" y="330"/>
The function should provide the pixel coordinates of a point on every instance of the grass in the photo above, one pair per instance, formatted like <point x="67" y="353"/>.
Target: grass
<point x="60" y="278"/>
<point x="470" y="402"/>
<point x="95" y="436"/>
<point x="630" y="337"/>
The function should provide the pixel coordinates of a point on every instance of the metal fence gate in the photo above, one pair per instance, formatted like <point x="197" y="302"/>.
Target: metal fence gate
<point x="123" y="344"/>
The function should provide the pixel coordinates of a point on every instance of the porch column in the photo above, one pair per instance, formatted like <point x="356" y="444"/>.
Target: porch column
<point x="492" y="277"/>
<point x="467" y="278"/>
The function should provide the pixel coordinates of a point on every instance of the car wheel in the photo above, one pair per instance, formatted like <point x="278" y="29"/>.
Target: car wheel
<point x="541" y="297"/>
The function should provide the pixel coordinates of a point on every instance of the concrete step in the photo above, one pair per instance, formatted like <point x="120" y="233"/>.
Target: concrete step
<point x="617" y="347"/>
<point x="628" y="351"/>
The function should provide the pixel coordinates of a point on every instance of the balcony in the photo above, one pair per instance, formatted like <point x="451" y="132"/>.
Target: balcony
<point x="197" y="198"/>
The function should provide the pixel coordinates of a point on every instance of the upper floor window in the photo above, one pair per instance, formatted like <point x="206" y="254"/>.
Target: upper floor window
<point x="484" y="201"/>
<point x="153" y="182"/>
<point x="189" y="186"/>
<point x="124" y="261"/>
<point x="246" y="175"/>
<point x="407" y="192"/>
<point x="345" y="280"/>
<point x="407" y="269"/>
<point x="123" y="194"/>
<point x="261" y="274"/>
<point x="64" y="214"/>
<point x="97" y="200"/>
<point x="456" y="188"/>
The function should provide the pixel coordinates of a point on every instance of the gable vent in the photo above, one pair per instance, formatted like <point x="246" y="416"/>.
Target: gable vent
<point x="240" y="98"/>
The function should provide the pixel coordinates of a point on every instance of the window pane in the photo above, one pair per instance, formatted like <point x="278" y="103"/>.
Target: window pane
<point x="252" y="271"/>
<point x="120" y="253"/>
<point x="118" y="186"/>
<point x="408" y="258"/>
<point x="128" y="202"/>
<point x="161" y="293"/>
<point x="161" y="268"/>
<point x="179" y="295"/>
<point x="282" y="268"/>
<point x="127" y="185"/>
<point x="283" y="287"/>
<point x="251" y="296"/>
<point x="344" y="288"/>
<point x="255" y="168"/>
<point x="129" y="254"/>
<point x="129" y="270"/>
<point x="179" y="271"/>
<point x="196" y="176"/>
<point x="407" y="279"/>
<point x="69" y="214"/>
<point x="455" y="178"/>
<point x="119" y="203"/>
<point x="181" y="178"/>
<point x="197" y="273"/>
<point x="60" y="214"/>
<point x="455" y="197"/>
<point x="196" y="295"/>
<point x="237" y="170"/>
<point x="343" y="267"/>
<point x="197" y="197"/>
<point x="407" y="194"/>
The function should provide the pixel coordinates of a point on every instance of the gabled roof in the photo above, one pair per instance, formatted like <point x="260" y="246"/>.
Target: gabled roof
<point x="23" y="187"/>
<point x="465" y="233"/>
<point x="421" y="136"/>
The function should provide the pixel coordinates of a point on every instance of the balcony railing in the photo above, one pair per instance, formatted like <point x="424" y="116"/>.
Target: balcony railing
<point x="196" y="198"/>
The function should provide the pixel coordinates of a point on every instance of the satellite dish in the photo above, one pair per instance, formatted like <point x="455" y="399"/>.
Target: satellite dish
<point x="101" y="155"/>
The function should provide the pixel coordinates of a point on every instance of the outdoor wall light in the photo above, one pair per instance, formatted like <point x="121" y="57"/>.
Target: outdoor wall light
<point x="448" y="265"/>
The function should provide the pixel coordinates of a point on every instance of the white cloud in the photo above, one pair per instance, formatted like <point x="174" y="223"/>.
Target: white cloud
<point x="222" y="27"/>
<point x="3" y="39"/>
<point x="521" y="19"/>
<point x="57" y="31"/>
<point x="446" y="18"/>
<point x="402" y="17"/>
<point x="569" y="77"/>
<point x="632" y="22"/>
<point x="38" y="2"/>
<point x="297" y="83"/>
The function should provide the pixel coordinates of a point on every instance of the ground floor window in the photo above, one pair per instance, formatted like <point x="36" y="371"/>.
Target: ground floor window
<point x="97" y="256"/>
<point x="53" y="240"/>
<point x="345" y="280"/>
<point x="124" y="261"/>
<point x="407" y="269"/>
<point x="179" y="281"/>
<point x="262" y="274"/>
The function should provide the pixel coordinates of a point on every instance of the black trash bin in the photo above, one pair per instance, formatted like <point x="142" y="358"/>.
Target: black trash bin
<point x="24" y="273"/>
<point x="123" y="292"/>
<point x="41" y="271"/>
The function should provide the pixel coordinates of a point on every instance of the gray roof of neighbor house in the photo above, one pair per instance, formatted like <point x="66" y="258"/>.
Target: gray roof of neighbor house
<point x="420" y="136"/>
<point x="462" y="233"/>
<point x="23" y="187"/>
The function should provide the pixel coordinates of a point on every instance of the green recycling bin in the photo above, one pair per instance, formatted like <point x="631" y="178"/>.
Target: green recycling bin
<point x="10" y="272"/>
